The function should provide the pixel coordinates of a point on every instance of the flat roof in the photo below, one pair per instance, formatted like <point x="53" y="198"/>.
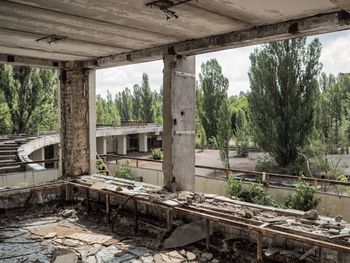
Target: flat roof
<point x="107" y="33"/>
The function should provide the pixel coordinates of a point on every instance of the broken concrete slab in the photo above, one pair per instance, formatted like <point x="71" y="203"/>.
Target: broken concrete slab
<point x="186" y="234"/>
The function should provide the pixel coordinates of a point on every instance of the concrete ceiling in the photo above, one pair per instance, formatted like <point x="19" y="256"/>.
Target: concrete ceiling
<point x="95" y="29"/>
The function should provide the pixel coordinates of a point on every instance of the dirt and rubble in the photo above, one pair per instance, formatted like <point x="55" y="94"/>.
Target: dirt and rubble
<point x="69" y="234"/>
<point x="117" y="220"/>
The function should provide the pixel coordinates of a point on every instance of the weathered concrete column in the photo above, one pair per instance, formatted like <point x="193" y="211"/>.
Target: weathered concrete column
<point x="101" y="145"/>
<point x="56" y="154"/>
<point x="78" y="121"/>
<point x="179" y="103"/>
<point x="143" y="148"/>
<point x="122" y="144"/>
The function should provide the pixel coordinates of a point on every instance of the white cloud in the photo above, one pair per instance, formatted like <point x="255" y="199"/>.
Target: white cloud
<point x="336" y="55"/>
<point x="235" y="64"/>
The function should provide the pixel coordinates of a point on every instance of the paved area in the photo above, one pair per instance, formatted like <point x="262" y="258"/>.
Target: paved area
<point x="212" y="158"/>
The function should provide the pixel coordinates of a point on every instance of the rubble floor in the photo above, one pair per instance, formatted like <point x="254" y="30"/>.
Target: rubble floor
<point x="68" y="235"/>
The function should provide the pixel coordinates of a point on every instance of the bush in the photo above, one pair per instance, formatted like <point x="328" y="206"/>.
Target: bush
<point x="253" y="194"/>
<point x="124" y="171"/>
<point x="242" y="144"/>
<point x="100" y="164"/>
<point x="156" y="154"/>
<point x="303" y="198"/>
<point x="234" y="187"/>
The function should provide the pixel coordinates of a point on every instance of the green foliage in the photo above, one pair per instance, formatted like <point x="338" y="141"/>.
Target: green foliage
<point x="124" y="171"/>
<point x="303" y="197"/>
<point x="100" y="165"/>
<point x="234" y="187"/>
<point x="242" y="134"/>
<point x="147" y="110"/>
<point x="136" y="103"/>
<point x="253" y="193"/>
<point x="27" y="99"/>
<point x="224" y="133"/>
<point x="156" y="154"/>
<point x="214" y="87"/>
<point x="343" y="188"/>
<point x="107" y="111"/>
<point x="284" y="91"/>
<point x="123" y="101"/>
<point x="333" y="119"/>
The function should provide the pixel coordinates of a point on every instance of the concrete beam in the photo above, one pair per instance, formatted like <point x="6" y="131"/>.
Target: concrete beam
<point x="29" y="61"/>
<point x="78" y="121"/>
<point x="318" y="24"/>
<point x="344" y="4"/>
<point x="179" y="103"/>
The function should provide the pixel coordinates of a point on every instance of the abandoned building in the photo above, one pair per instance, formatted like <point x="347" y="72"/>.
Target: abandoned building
<point x="87" y="217"/>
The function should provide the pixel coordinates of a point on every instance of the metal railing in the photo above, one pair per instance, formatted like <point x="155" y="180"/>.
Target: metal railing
<point x="264" y="177"/>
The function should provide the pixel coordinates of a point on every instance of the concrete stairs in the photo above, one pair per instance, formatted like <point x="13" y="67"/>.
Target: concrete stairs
<point x="8" y="156"/>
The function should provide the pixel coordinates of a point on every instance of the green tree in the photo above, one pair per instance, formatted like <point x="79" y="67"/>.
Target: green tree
<point x="30" y="96"/>
<point x="147" y="111"/>
<point x="284" y="89"/>
<point x="224" y="132"/>
<point x="242" y="134"/>
<point x="124" y="104"/>
<point x="107" y="111"/>
<point x="214" y="86"/>
<point x="136" y="103"/>
<point x="158" y="106"/>
<point x="333" y="117"/>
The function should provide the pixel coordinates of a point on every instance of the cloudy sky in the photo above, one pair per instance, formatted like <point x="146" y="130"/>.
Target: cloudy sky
<point x="335" y="58"/>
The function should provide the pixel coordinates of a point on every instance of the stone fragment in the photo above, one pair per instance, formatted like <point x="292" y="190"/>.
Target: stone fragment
<point x="50" y="235"/>
<point x="215" y="260"/>
<point x="176" y="257"/>
<point x="205" y="257"/>
<point x="248" y="214"/>
<point x="190" y="255"/>
<point x="68" y="212"/>
<point x="183" y="252"/>
<point x="186" y="234"/>
<point x="338" y="219"/>
<point x="311" y="215"/>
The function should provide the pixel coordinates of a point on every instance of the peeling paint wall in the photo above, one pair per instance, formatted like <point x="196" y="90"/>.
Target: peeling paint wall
<point x="75" y="145"/>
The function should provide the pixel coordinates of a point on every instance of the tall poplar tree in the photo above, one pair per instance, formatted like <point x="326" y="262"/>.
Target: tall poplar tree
<point x="224" y="132"/>
<point x="284" y="89"/>
<point x="30" y="97"/>
<point x="214" y="87"/>
<point x="147" y="110"/>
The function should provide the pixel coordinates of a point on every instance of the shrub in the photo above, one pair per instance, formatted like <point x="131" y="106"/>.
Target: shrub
<point x="254" y="193"/>
<point x="242" y="144"/>
<point x="156" y="154"/>
<point x="343" y="188"/>
<point x="234" y="187"/>
<point x="124" y="171"/>
<point x="303" y="198"/>
<point x="99" y="164"/>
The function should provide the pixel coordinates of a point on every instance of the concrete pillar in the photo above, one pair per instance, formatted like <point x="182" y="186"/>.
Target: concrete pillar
<point x="143" y="148"/>
<point x="179" y="103"/>
<point x="101" y="145"/>
<point x="78" y="121"/>
<point x="122" y="144"/>
<point x="56" y="154"/>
